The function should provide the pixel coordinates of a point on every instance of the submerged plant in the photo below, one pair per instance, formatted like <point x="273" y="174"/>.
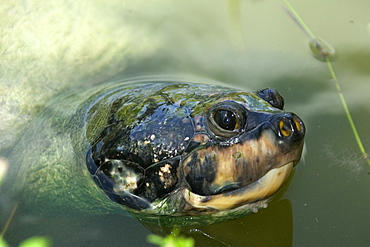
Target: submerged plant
<point x="35" y="241"/>
<point x="174" y="239"/>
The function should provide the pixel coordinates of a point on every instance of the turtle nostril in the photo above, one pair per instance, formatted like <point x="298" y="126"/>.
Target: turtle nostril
<point x="291" y="126"/>
<point x="285" y="127"/>
<point x="298" y="123"/>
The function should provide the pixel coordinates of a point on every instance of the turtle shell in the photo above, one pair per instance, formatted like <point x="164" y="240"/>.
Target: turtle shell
<point x="191" y="150"/>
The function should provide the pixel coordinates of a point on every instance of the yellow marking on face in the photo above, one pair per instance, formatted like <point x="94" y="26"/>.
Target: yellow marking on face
<point x="240" y="160"/>
<point x="264" y="187"/>
<point x="202" y="138"/>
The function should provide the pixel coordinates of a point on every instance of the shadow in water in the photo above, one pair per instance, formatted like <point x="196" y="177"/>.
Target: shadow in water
<point x="272" y="226"/>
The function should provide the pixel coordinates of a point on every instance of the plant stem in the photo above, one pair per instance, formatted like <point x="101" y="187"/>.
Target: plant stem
<point x="9" y="220"/>
<point x="294" y="15"/>
<point x="346" y="110"/>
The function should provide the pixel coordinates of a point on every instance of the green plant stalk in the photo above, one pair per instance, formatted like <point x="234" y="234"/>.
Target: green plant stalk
<point x="313" y="38"/>
<point x="346" y="110"/>
<point x="9" y="220"/>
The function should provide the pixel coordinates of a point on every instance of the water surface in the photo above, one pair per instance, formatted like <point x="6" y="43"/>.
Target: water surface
<point x="245" y="44"/>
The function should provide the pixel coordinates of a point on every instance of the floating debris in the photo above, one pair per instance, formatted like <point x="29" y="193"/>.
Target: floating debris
<point x="321" y="49"/>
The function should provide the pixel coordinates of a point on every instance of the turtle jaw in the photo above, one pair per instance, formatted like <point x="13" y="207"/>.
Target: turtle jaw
<point x="260" y="189"/>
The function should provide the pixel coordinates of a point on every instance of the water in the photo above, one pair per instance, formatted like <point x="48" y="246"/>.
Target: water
<point x="327" y="201"/>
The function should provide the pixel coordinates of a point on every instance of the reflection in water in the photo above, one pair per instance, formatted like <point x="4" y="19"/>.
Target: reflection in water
<point x="272" y="226"/>
<point x="269" y="227"/>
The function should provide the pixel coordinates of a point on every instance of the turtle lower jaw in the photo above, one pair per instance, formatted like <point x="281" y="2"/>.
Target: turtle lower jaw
<point x="258" y="190"/>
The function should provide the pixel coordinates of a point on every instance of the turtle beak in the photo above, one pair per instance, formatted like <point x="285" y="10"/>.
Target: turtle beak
<point x="260" y="189"/>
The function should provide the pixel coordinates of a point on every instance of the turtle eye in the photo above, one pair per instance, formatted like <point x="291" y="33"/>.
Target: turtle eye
<point x="226" y="119"/>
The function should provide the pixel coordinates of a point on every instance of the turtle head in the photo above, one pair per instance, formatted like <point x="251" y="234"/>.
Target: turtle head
<point x="247" y="152"/>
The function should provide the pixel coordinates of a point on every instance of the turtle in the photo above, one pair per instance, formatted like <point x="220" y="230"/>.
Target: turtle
<point x="167" y="152"/>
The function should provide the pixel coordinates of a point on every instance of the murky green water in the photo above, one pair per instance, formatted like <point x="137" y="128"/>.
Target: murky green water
<point x="247" y="44"/>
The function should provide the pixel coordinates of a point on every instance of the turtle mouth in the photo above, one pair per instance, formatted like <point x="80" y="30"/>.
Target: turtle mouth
<point x="262" y="188"/>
